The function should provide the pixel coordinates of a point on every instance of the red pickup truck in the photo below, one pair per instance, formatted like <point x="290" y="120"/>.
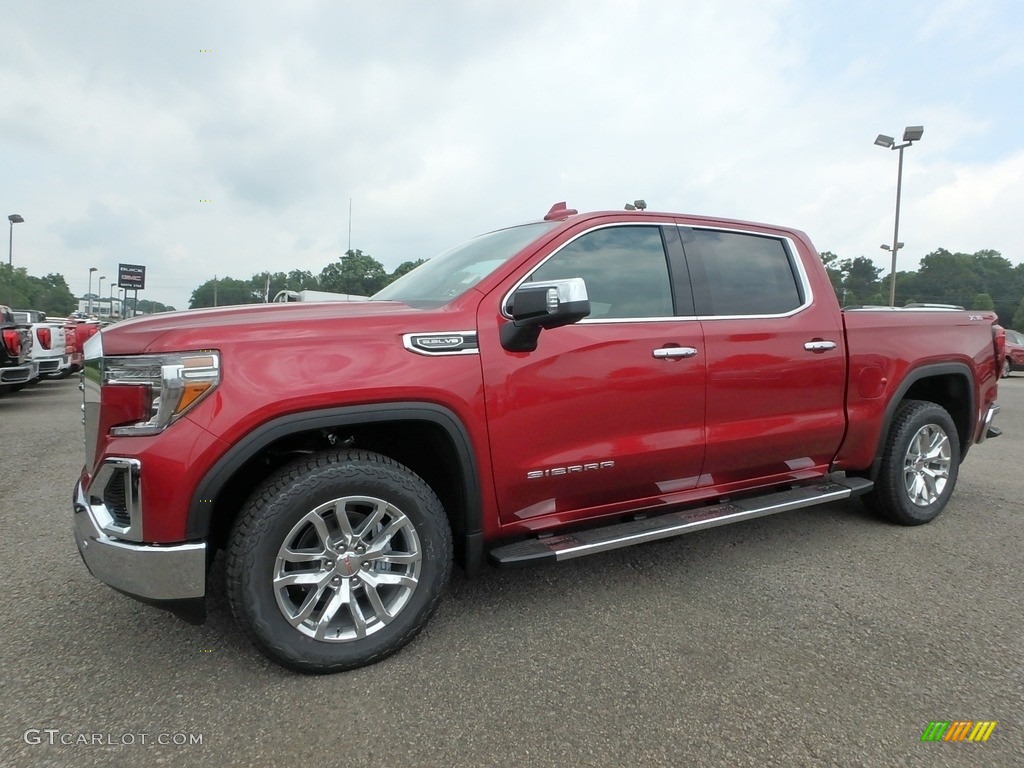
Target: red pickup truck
<point x="542" y="392"/>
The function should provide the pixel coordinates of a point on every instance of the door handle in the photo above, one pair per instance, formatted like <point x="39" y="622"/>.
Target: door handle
<point x="674" y="353"/>
<point x="819" y="345"/>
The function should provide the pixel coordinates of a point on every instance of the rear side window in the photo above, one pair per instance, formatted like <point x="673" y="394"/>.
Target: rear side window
<point x="625" y="270"/>
<point x="735" y="273"/>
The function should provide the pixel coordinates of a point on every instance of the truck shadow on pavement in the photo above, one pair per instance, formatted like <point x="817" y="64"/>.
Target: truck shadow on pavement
<point x="496" y="604"/>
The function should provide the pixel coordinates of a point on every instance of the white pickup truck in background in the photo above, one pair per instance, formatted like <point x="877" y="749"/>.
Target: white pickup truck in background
<point x="283" y="297"/>
<point x="48" y="343"/>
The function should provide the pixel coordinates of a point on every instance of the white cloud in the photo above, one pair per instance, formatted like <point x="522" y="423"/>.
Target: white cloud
<point x="441" y="120"/>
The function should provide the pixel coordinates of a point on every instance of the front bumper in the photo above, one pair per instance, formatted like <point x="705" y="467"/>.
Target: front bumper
<point x="149" y="572"/>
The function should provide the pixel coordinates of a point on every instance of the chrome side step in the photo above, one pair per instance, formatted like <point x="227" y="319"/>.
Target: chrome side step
<point x="594" y="540"/>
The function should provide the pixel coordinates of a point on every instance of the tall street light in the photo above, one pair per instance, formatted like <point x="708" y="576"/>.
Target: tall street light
<point x="911" y="134"/>
<point x="14" y="218"/>
<point x="99" y="292"/>
<point x="88" y="310"/>
<point x="110" y="298"/>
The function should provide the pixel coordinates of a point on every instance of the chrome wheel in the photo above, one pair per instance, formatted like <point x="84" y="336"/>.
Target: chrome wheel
<point x="347" y="568"/>
<point x="926" y="465"/>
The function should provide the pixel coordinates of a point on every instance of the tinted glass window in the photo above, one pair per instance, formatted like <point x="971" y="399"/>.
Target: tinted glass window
<point x="740" y="274"/>
<point x="624" y="268"/>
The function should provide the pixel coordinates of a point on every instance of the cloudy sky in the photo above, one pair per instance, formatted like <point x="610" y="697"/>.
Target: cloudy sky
<point x="440" y="120"/>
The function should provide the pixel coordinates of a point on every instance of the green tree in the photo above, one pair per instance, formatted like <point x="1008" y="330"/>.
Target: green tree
<point x="53" y="295"/>
<point x="356" y="273"/>
<point x="296" y="280"/>
<point x="1017" y="322"/>
<point x="15" y="287"/>
<point x="983" y="302"/>
<point x="860" y="276"/>
<point x="302" y="280"/>
<point x="906" y="287"/>
<point x="152" y="307"/>
<point x="850" y="277"/>
<point x="403" y="268"/>
<point x="877" y="300"/>
<point x="948" y="278"/>
<point x="49" y="294"/>
<point x="835" y="273"/>
<point x="999" y="280"/>
<point x="223" y="291"/>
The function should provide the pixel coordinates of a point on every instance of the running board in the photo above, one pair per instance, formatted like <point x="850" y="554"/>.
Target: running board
<point x="593" y="540"/>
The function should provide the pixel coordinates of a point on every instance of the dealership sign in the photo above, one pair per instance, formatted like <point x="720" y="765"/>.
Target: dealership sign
<point x="131" y="276"/>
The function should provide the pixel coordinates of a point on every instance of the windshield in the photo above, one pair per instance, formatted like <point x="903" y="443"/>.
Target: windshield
<point x="442" y="278"/>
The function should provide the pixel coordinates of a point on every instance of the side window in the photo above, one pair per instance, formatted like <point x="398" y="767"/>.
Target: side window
<point x="741" y="274"/>
<point x="624" y="268"/>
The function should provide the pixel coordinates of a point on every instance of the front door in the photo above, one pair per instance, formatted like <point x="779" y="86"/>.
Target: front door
<point x="607" y="414"/>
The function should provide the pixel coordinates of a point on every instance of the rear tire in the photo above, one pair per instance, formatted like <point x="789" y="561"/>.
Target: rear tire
<point x="920" y="465"/>
<point x="337" y="561"/>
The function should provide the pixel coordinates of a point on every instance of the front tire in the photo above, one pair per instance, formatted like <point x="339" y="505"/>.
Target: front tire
<point x="1007" y="367"/>
<point x="337" y="561"/>
<point x="920" y="465"/>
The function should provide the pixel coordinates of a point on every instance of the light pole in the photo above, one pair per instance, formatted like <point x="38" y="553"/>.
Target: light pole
<point x="110" y="297"/>
<point x="892" y="277"/>
<point x="99" y="292"/>
<point x="88" y="310"/>
<point x="14" y="218"/>
<point x="911" y="134"/>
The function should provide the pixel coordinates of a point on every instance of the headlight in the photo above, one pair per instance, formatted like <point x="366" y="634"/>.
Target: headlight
<point x="175" y="383"/>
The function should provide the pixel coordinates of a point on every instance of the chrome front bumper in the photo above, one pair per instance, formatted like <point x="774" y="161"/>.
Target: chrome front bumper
<point x="145" y="571"/>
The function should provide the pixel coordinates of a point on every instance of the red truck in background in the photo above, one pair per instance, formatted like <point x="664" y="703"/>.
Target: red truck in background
<point x="542" y="392"/>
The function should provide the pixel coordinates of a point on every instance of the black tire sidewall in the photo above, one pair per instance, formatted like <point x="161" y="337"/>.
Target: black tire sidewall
<point x="895" y="501"/>
<point x="279" y="504"/>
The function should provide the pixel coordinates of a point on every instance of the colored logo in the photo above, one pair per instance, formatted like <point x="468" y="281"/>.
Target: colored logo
<point x="958" y="730"/>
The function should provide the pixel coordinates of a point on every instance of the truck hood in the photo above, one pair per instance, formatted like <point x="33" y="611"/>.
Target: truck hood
<point x="203" y="327"/>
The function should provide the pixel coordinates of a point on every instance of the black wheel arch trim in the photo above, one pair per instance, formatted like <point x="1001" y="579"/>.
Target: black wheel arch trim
<point x="201" y="507"/>
<point x="912" y="377"/>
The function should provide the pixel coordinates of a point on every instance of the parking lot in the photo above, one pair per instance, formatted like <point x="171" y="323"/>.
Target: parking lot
<point x="817" y="637"/>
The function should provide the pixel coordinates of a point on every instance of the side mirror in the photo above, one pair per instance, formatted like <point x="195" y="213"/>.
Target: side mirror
<point x="534" y="306"/>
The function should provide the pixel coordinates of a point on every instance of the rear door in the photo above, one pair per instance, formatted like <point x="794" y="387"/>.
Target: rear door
<point x="607" y="413"/>
<point x="776" y="365"/>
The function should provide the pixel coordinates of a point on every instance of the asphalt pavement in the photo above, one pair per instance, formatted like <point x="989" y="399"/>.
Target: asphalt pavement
<point x="816" y="637"/>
